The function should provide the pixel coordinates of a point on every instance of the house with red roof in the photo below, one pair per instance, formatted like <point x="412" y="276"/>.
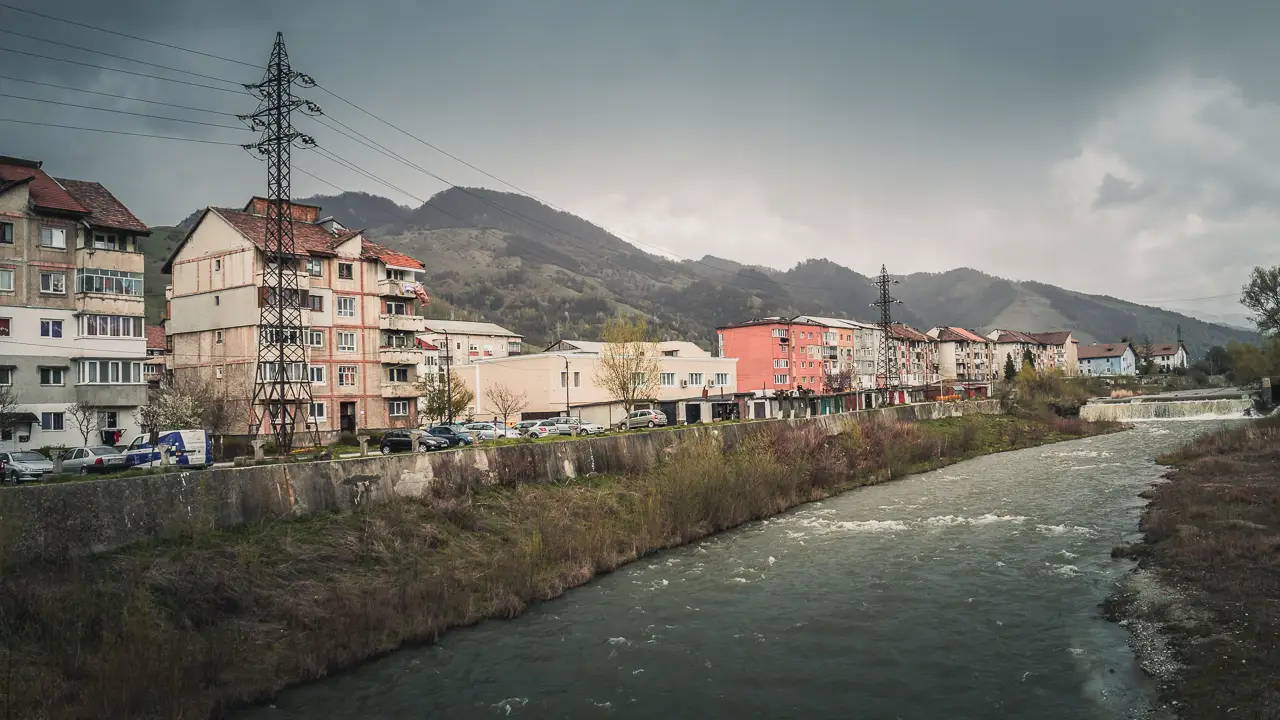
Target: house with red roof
<point x="359" y="306"/>
<point x="966" y="360"/>
<point x="71" y="309"/>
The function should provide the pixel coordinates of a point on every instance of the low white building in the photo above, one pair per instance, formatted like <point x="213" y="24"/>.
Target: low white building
<point x="465" y="341"/>
<point x="1168" y="358"/>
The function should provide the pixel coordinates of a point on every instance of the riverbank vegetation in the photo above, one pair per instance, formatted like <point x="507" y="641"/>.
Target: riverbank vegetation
<point x="190" y="627"/>
<point x="1213" y="534"/>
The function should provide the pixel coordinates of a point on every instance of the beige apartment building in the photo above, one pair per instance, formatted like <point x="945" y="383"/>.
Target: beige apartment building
<point x="1056" y="350"/>
<point x="359" y="326"/>
<point x="693" y="386"/>
<point x="462" y="342"/>
<point x="964" y="357"/>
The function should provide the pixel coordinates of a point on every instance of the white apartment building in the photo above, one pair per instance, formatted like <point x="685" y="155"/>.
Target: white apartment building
<point x="462" y="342"/>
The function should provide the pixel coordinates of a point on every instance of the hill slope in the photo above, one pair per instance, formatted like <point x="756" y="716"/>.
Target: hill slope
<point x="510" y="259"/>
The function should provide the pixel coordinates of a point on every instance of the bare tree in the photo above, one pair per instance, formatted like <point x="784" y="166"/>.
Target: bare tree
<point x="628" y="368"/>
<point x="435" y="395"/>
<point x="839" y="381"/>
<point x="8" y="407"/>
<point x="505" y="400"/>
<point x="84" y="418"/>
<point x="192" y="400"/>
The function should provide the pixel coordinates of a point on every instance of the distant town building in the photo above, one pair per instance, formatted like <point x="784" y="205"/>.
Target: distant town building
<point x="462" y="342"/>
<point x="1168" y="358"/>
<point x="1108" y="359"/>
<point x="71" y="308"/>
<point x="966" y="360"/>
<point x="775" y="354"/>
<point x="154" y="369"/>
<point x="1048" y="350"/>
<point x="917" y="357"/>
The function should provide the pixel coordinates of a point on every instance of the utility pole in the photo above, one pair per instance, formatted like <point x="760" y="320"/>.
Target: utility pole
<point x="448" y="380"/>
<point x="886" y="359"/>
<point x="277" y="394"/>
<point x="566" y="384"/>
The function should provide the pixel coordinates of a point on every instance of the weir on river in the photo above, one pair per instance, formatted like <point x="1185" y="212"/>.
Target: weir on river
<point x="1166" y="410"/>
<point x="969" y="592"/>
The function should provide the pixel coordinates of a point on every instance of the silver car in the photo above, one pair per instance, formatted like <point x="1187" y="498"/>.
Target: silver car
<point x="97" y="459"/>
<point x="643" y="418"/>
<point x="489" y="431"/>
<point x="25" y="466"/>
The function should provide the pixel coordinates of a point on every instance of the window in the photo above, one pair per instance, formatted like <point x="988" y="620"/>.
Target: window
<point x="638" y="379"/>
<point x="668" y="379"/>
<point x="398" y="408"/>
<point x="51" y="376"/>
<point x="695" y="379"/>
<point x="577" y="379"/>
<point x="270" y="372"/>
<point x="108" y="419"/>
<point x="564" y="378"/>
<point x="51" y="421"/>
<point x="111" y="325"/>
<point x="779" y="364"/>
<point x="346" y="341"/>
<point x="397" y="374"/>
<point x="346" y="271"/>
<point x="107" y="241"/>
<point x="318" y="411"/>
<point x="217" y="337"/>
<point x="779" y="333"/>
<point x="6" y="233"/>
<point x="396" y="308"/>
<point x="5" y="328"/>
<point x="316" y="303"/>
<point x="53" y="282"/>
<point x="217" y="264"/>
<point x="346" y="375"/>
<point x="53" y="238"/>
<point x="51" y="328"/>
<point x="6" y="281"/>
<point x="111" y="282"/>
<point x="314" y="268"/>
<point x="217" y="300"/>
<point x="6" y="376"/>
<point x="317" y="338"/>
<point x="395" y="340"/>
<point x="317" y="374"/>
<point x="346" y="306"/>
<point x="217" y="372"/>
<point x="781" y="380"/>
<point x="722" y="379"/>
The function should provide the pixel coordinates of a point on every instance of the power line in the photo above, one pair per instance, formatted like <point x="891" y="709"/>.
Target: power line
<point x="119" y="57"/>
<point x="1176" y="300"/>
<point x="131" y="37"/>
<point x="120" y="132"/>
<point x="113" y="95"/>
<point x="122" y="112"/>
<point x="126" y="72"/>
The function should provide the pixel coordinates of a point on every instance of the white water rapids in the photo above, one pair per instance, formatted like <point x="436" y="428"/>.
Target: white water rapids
<point x="1138" y="409"/>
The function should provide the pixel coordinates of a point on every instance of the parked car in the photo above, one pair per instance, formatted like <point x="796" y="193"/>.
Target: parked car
<point x="591" y="428"/>
<point x="410" y="440"/>
<point x="523" y="426"/>
<point x="97" y="459"/>
<point x="25" y="466"/>
<point x="451" y="435"/>
<point x="489" y="431"/>
<point x="543" y="428"/>
<point x="643" y="418"/>
<point x="566" y="425"/>
<point x="192" y="448"/>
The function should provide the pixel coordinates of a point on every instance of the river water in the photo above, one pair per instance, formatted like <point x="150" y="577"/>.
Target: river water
<point x="970" y="592"/>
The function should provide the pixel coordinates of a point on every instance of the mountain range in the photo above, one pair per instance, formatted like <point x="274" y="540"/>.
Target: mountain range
<point x="544" y="273"/>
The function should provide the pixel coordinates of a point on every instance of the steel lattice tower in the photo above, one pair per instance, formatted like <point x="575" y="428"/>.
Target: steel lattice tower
<point x="282" y="388"/>
<point x="886" y="359"/>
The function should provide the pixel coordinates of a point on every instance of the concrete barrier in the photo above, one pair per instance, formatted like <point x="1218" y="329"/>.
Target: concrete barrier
<point x="77" y="518"/>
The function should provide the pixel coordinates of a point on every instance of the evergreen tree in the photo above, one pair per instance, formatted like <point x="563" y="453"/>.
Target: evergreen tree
<point x="1010" y="371"/>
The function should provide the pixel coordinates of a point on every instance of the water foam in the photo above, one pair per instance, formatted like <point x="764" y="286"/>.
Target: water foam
<point x="1066" y="530"/>
<point x="954" y="520"/>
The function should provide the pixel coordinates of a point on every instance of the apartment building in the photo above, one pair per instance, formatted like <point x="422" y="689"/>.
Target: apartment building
<point x="462" y="342"/>
<point x="1169" y="357"/>
<point x="359" y="327"/>
<point x="71" y="308"/>
<point x="964" y="357"/>
<point x="776" y="353"/>
<point x="858" y="346"/>
<point x="154" y="369"/>
<point x="916" y="355"/>
<point x="1056" y="350"/>
<point x="1111" y="359"/>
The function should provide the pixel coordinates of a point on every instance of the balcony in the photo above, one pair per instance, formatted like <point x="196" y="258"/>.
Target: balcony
<point x="301" y="277"/>
<point x="397" y="288"/>
<point x="402" y="323"/>
<point x="399" y="390"/>
<point x="93" y="303"/>
<point x="400" y="356"/>
<point x="118" y="395"/>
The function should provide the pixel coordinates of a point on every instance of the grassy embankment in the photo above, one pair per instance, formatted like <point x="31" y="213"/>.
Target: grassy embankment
<point x="188" y="628"/>
<point x="1213" y="536"/>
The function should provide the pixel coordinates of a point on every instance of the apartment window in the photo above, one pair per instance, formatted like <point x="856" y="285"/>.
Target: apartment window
<point x="398" y="408"/>
<point x="397" y="308"/>
<point x="346" y="375"/>
<point x="318" y="411"/>
<point x="270" y="372"/>
<point x="395" y="340"/>
<point x="317" y="374"/>
<point x="51" y="376"/>
<point x="695" y="379"/>
<point x="346" y="306"/>
<point x="397" y="374"/>
<point x="6" y="376"/>
<point x="97" y="372"/>
<point x="6" y="233"/>
<point x="111" y="325"/>
<point x="6" y="281"/>
<point x="314" y="267"/>
<point x="53" y="238"/>
<point x="51" y="328"/>
<point x="722" y="379"/>
<point x="217" y="337"/>
<point x="780" y="363"/>
<point x="217" y="372"/>
<point x="111" y="282"/>
<point x="316" y="303"/>
<point x="781" y="380"/>
<point x="779" y="333"/>
<point x="564" y="378"/>
<point x="577" y="379"/>
<point x="107" y="241"/>
<point x="667" y="379"/>
<point x="346" y="342"/>
<point x="51" y="421"/>
<point x="346" y="271"/>
<point x="217" y="264"/>
<point x="217" y="300"/>
<point x="316" y="338"/>
<point x="108" y="419"/>
<point x="53" y="282"/>
<point x="5" y="326"/>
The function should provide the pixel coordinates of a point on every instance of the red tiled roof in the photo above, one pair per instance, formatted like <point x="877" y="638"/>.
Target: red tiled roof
<point x="105" y="210"/>
<point x="906" y="332"/>
<point x="389" y="256"/>
<point x="426" y="345"/>
<point x="307" y="238"/>
<point x="1089" y="352"/>
<point x="155" y="337"/>
<point x="957" y="334"/>
<point x="1057" y="337"/>
<point x="46" y="193"/>
<point x="770" y="321"/>
<point x="1164" y="350"/>
<point x="1014" y="336"/>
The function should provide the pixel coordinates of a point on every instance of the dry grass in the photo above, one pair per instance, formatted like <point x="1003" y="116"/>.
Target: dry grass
<point x="1214" y="530"/>
<point x="190" y="628"/>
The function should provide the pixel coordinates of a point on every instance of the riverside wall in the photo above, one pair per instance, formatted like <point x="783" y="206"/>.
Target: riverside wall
<point x="79" y="518"/>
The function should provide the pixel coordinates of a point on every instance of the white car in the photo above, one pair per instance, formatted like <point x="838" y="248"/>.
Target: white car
<point x="489" y="431"/>
<point x="591" y="428"/>
<point x="543" y="429"/>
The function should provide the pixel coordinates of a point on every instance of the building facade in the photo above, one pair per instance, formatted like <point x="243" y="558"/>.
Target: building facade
<point x="71" y="310"/>
<point x="774" y="354"/>
<point x="964" y="357"/>
<point x="462" y="342"/>
<point x="359" y="325"/>
<point x="154" y="370"/>
<point x="1168" y="358"/>
<point x="1055" y="350"/>
<point x="917" y="357"/>
<point x="1104" y="360"/>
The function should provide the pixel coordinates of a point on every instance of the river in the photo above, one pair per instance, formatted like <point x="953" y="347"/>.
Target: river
<point x="969" y="592"/>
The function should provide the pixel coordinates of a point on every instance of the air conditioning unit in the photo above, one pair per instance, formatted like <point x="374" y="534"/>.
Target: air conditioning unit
<point x="684" y="383"/>
<point x="711" y="383"/>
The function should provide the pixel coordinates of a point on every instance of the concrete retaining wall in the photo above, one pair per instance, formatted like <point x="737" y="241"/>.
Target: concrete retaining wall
<point x="77" y="518"/>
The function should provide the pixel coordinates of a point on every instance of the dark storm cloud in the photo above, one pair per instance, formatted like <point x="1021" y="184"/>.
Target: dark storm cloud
<point x="1118" y="191"/>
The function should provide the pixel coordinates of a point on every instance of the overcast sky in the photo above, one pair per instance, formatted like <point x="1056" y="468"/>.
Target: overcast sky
<point x="1128" y="148"/>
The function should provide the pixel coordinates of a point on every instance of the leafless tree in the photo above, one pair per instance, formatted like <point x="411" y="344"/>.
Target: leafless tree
<point x="505" y="400"/>
<point x="84" y="418"/>
<point x="8" y="407"/>
<point x="628" y="368"/>
<point x="439" y="395"/>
